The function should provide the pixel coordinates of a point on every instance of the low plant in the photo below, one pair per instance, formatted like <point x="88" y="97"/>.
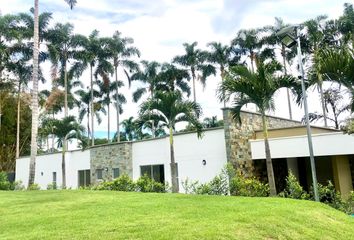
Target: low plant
<point x="18" y="186"/>
<point x="4" y="182"/>
<point x="248" y="187"/>
<point x="146" y="184"/>
<point x="52" y="186"/>
<point x="122" y="183"/>
<point x="293" y="189"/>
<point x="34" y="187"/>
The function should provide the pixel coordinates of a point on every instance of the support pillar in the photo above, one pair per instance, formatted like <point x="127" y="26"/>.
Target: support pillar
<point x="342" y="175"/>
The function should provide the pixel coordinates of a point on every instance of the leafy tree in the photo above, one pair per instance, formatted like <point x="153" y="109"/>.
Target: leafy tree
<point x="64" y="130"/>
<point x="168" y="109"/>
<point x="258" y="88"/>
<point x="195" y="60"/>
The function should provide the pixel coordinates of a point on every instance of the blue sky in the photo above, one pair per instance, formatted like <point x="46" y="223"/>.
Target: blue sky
<point x="160" y="27"/>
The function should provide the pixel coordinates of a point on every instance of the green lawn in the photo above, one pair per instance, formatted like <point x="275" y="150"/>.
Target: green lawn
<point x="117" y="215"/>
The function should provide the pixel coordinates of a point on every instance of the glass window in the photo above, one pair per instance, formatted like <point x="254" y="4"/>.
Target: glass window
<point x="84" y="178"/>
<point x="54" y="177"/>
<point x="99" y="173"/>
<point x="156" y="172"/>
<point x="115" y="172"/>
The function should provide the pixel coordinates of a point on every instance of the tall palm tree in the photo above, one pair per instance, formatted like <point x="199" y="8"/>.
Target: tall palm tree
<point x="247" y="43"/>
<point x="120" y="51"/>
<point x="258" y="88"/>
<point x="148" y="76"/>
<point x="90" y="56"/>
<point x="220" y="55"/>
<point x="195" y="60"/>
<point x="173" y="79"/>
<point x="106" y="88"/>
<point x="170" y="108"/>
<point x="64" y="130"/>
<point x="34" y="127"/>
<point x="315" y="37"/>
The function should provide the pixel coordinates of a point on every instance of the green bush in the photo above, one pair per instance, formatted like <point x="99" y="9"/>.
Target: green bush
<point x="34" y="187"/>
<point x="18" y="186"/>
<point x="293" y="189"/>
<point x="146" y="184"/>
<point x="123" y="183"/>
<point x="4" y="182"/>
<point x="329" y="195"/>
<point x="52" y="186"/>
<point x="248" y="187"/>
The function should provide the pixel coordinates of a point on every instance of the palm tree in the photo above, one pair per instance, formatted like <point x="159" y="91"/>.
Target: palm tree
<point x="247" y="43"/>
<point x="220" y="55"/>
<point x="195" y="59"/>
<point x="168" y="109"/>
<point x="89" y="56"/>
<point x="173" y="79"/>
<point x="257" y="88"/>
<point x="148" y="76"/>
<point x="106" y="88"/>
<point x="129" y="126"/>
<point x="64" y="130"/>
<point x="84" y="105"/>
<point x="34" y="103"/>
<point x="120" y="51"/>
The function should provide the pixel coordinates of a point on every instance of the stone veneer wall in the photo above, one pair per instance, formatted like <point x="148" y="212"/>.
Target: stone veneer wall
<point x="238" y="147"/>
<point x="111" y="156"/>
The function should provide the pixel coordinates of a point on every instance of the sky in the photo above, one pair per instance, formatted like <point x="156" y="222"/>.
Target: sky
<point x="160" y="27"/>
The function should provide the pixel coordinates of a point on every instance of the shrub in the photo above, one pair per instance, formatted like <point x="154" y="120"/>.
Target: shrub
<point x="190" y="186"/>
<point x="293" y="189"/>
<point x="123" y="183"/>
<point x="248" y="187"/>
<point x="34" y="187"/>
<point x="18" y="186"/>
<point x="329" y="195"/>
<point x="146" y="184"/>
<point x="4" y="182"/>
<point x="52" y="186"/>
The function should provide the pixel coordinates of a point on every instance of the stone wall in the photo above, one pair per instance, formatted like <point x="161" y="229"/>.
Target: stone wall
<point x="111" y="156"/>
<point x="238" y="148"/>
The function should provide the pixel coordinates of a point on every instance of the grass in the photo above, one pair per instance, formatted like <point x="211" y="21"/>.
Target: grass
<point x="118" y="215"/>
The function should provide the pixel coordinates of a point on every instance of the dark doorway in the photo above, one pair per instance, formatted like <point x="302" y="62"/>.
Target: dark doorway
<point x="84" y="178"/>
<point x="280" y="168"/>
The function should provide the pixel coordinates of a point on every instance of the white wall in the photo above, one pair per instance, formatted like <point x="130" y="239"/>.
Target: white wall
<point x="49" y="163"/>
<point x="327" y="144"/>
<point x="189" y="153"/>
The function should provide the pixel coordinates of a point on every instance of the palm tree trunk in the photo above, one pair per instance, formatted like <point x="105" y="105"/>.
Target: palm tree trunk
<point x="194" y="94"/>
<point x="65" y="90"/>
<point x="109" y="121"/>
<point x="92" y="109"/>
<point x="222" y="71"/>
<point x="153" y="130"/>
<point x="252" y="60"/>
<point x="173" y="164"/>
<point x="117" y="104"/>
<point x="287" y="90"/>
<point x="323" y="105"/>
<point x="34" y="130"/>
<point x="270" y="172"/>
<point x="18" y="120"/>
<point x="63" y="165"/>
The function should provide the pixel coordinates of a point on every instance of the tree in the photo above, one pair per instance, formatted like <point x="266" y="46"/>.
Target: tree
<point x="120" y="51"/>
<point x="106" y="88"/>
<point x="247" y="43"/>
<point x="173" y="79"/>
<point x="195" y="59"/>
<point x="34" y="104"/>
<point x="64" y="130"/>
<point x="168" y="109"/>
<point x="258" y="88"/>
<point x="333" y="99"/>
<point x="220" y="55"/>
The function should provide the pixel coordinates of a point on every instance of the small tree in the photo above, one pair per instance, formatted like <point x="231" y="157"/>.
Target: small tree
<point x="168" y="109"/>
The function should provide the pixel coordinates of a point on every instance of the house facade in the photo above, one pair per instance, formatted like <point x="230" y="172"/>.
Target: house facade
<point x="203" y="158"/>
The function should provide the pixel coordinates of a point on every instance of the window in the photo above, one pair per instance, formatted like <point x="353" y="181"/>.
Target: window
<point x="54" y="178"/>
<point x="99" y="173"/>
<point x="115" y="172"/>
<point x="84" y="178"/>
<point x="156" y="172"/>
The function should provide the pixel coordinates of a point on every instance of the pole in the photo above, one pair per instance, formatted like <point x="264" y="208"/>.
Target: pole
<point x="309" y="137"/>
